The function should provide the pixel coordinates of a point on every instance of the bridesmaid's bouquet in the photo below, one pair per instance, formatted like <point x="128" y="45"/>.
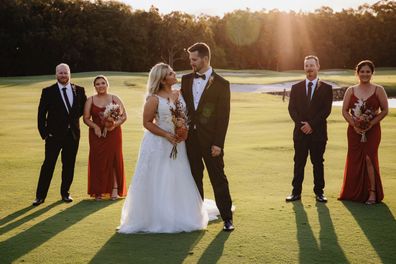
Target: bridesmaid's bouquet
<point x="362" y="115"/>
<point x="179" y="120"/>
<point x="111" y="114"/>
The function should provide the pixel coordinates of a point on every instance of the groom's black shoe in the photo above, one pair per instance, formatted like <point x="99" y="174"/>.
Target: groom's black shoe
<point x="67" y="199"/>
<point x="321" y="198"/>
<point x="228" y="226"/>
<point x="293" y="197"/>
<point x="37" y="201"/>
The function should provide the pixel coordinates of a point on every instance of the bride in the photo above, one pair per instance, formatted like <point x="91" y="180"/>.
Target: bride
<point x="163" y="197"/>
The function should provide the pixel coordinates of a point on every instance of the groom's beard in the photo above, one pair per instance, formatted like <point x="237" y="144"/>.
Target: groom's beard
<point x="197" y="68"/>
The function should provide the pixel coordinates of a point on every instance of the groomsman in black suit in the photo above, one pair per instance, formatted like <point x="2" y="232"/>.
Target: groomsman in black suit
<point x="61" y="106"/>
<point x="207" y="97"/>
<point x="309" y="106"/>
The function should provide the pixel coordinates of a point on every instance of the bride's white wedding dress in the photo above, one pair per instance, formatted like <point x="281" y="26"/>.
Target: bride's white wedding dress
<point x="163" y="197"/>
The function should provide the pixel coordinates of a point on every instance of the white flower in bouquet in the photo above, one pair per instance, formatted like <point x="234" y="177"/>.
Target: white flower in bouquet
<point x="112" y="110"/>
<point x="111" y="114"/>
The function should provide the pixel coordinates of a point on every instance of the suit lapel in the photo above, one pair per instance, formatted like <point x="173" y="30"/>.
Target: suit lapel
<point x="189" y="96"/>
<point x="74" y="92"/>
<point x="60" y="99"/>
<point x="316" y="90"/>
<point x="303" y="92"/>
<point x="207" y="86"/>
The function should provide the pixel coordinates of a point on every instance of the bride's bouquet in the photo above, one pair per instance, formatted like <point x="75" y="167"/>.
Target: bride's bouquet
<point x="111" y="114"/>
<point x="362" y="115"/>
<point x="179" y="120"/>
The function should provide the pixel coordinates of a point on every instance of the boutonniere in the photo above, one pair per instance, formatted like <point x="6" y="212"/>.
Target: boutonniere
<point x="210" y="81"/>
<point x="74" y="89"/>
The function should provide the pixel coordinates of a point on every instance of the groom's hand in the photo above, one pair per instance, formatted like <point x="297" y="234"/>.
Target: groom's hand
<point x="306" y="128"/>
<point x="215" y="151"/>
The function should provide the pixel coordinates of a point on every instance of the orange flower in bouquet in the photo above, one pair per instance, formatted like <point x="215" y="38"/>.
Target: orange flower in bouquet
<point x="179" y="120"/>
<point x="181" y="129"/>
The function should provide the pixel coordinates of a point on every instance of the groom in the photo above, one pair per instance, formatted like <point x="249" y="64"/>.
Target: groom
<point x="61" y="106"/>
<point x="207" y="96"/>
<point x="309" y="106"/>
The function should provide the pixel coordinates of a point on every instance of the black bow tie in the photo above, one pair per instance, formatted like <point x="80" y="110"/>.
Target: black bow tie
<point x="203" y="76"/>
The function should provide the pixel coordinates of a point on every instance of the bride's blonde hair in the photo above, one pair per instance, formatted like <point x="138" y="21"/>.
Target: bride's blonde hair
<point x="156" y="75"/>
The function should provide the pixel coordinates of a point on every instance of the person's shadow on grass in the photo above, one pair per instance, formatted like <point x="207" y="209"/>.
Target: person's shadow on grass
<point x="148" y="248"/>
<point x="328" y="248"/>
<point x="215" y="249"/>
<point x="379" y="225"/>
<point x="27" y="218"/>
<point x="28" y="240"/>
<point x="14" y="215"/>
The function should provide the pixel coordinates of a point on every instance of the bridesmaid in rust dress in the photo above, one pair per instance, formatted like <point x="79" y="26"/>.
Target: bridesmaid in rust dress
<point x="106" y="165"/>
<point x="364" y="106"/>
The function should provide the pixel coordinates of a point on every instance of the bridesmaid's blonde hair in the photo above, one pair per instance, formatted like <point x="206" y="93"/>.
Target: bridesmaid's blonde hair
<point x="156" y="75"/>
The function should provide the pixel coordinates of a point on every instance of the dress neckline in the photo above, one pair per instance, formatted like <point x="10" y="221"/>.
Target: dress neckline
<point x="167" y="99"/>
<point x="102" y="107"/>
<point x="365" y="100"/>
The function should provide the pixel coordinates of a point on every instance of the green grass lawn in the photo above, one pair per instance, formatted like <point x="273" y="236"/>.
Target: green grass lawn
<point x="259" y="163"/>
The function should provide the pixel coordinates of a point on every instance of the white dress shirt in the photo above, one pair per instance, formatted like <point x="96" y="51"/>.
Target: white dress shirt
<point x="199" y="86"/>
<point x="314" y="82"/>
<point x="69" y="93"/>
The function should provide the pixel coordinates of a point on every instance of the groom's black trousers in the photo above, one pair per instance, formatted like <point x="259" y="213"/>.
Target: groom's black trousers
<point x="315" y="149"/>
<point x="69" y="146"/>
<point x="197" y="154"/>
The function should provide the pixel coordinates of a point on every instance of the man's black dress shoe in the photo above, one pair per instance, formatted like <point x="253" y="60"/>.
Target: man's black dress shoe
<point x="228" y="226"/>
<point x="321" y="198"/>
<point x="38" y="201"/>
<point x="67" y="199"/>
<point x="293" y="197"/>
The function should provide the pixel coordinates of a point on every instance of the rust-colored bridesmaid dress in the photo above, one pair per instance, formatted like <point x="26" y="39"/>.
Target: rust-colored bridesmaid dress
<point x="105" y="159"/>
<point x="356" y="183"/>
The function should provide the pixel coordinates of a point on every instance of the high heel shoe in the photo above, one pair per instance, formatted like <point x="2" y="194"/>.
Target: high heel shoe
<point x="371" y="201"/>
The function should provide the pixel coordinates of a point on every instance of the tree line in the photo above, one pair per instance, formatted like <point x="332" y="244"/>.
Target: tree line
<point x="36" y="35"/>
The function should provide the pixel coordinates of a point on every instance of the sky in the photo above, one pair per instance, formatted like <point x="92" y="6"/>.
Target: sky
<point x="220" y="7"/>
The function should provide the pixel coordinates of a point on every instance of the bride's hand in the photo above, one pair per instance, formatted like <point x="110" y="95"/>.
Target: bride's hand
<point x="171" y="138"/>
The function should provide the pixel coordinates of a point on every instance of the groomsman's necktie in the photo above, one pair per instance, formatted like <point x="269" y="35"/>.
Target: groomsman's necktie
<point x="66" y="99"/>
<point x="310" y="90"/>
<point x="203" y="76"/>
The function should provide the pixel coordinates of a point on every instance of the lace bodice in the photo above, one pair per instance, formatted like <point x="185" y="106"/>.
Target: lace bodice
<point x="163" y="118"/>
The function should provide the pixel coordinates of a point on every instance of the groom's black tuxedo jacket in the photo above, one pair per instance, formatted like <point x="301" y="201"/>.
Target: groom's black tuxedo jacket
<point x="53" y="117"/>
<point x="314" y="112"/>
<point x="213" y="112"/>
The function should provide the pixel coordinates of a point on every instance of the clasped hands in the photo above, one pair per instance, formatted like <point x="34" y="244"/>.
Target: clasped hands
<point x="361" y="131"/>
<point x="306" y="128"/>
<point x="110" y="125"/>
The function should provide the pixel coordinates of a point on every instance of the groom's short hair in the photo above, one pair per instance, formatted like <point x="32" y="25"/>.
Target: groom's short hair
<point x="202" y="48"/>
